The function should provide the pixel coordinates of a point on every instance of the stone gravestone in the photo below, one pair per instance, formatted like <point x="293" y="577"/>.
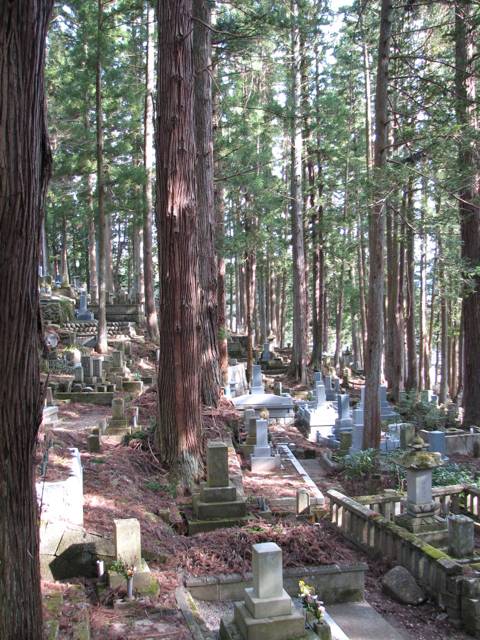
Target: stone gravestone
<point x="266" y="352"/>
<point x="118" y="426"/>
<point x="436" y="440"/>
<point x="97" y="368"/>
<point x="407" y="434"/>
<point x="267" y="612"/>
<point x="337" y="386"/>
<point x="385" y="409"/>
<point x="257" y="387"/>
<point x="94" y="294"/>
<point x="320" y="395"/>
<point x="49" y="398"/>
<point x="78" y="373"/>
<point x="84" y="315"/>
<point x="218" y="495"/>
<point x="461" y="536"/>
<point x="303" y="502"/>
<point x="329" y="392"/>
<point x="262" y="459"/>
<point x="343" y="421"/>
<point x="249" y="414"/>
<point x="277" y="388"/>
<point x="87" y="364"/>
<point x="317" y="378"/>
<point x="93" y="443"/>
<point x="128" y="548"/>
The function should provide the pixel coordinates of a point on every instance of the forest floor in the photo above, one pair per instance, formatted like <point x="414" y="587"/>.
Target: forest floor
<point x="128" y="481"/>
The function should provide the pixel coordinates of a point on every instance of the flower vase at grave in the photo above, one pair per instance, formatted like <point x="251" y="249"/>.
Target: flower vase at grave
<point x="129" y="597"/>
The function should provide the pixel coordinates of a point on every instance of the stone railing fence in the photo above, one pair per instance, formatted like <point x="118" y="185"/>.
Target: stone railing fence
<point x="371" y="527"/>
<point x="389" y="506"/>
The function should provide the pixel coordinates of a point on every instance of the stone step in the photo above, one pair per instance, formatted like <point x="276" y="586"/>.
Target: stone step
<point x="360" y="621"/>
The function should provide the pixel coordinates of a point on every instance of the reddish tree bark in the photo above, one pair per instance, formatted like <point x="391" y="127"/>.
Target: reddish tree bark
<point x="25" y="166"/>
<point x="207" y="259"/>
<point x="373" y="355"/>
<point x="179" y="417"/>
<point x="468" y="200"/>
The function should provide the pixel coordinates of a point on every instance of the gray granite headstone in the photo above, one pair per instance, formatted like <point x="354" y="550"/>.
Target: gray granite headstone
<point x="436" y="440"/>
<point x="257" y="379"/>
<point x="217" y="464"/>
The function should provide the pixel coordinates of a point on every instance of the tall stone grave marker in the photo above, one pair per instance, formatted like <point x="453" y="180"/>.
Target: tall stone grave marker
<point x="218" y="495"/>
<point x="257" y="387"/>
<point x="267" y="612"/>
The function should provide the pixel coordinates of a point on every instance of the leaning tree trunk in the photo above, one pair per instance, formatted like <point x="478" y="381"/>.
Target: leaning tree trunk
<point x="179" y="416"/>
<point x="469" y="211"/>
<point x="372" y="419"/>
<point x="207" y="259"/>
<point x="25" y="166"/>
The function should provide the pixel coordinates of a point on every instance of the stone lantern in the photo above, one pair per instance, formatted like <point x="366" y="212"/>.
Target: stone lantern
<point x="421" y="516"/>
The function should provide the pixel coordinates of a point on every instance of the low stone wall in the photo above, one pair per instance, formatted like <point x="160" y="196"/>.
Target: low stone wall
<point x="334" y="583"/>
<point x="458" y="443"/>
<point x="439" y="574"/>
<point x="87" y="397"/>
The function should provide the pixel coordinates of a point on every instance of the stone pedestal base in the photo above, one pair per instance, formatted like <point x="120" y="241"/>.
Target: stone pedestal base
<point x="263" y="465"/>
<point x="117" y="429"/>
<point x="267" y="607"/>
<point x="211" y="510"/>
<point x="416" y="525"/>
<point x="133" y="386"/>
<point x="244" y="625"/>
<point x="217" y="494"/>
<point x="141" y="578"/>
<point x="248" y="449"/>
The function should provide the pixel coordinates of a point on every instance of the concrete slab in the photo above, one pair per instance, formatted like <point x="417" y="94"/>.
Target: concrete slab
<point x="360" y="621"/>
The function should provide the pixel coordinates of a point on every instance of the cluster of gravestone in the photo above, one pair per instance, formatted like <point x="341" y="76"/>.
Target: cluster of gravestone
<point x="99" y="375"/>
<point x="330" y="422"/>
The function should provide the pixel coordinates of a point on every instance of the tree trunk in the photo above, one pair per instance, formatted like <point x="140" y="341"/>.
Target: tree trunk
<point x="25" y="168"/>
<point x="179" y="431"/>
<point x="298" y="366"/>
<point x="64" y="257"/>
<point x="92" y="249"/>
<point x="372" y="419"/>
<point x="444" y="331"/>
<point x="150" y="309"/>
<point x="222" y="273"/>
<point x="412" y="362"/>
<point x="273" y="303"/>
<point x="461" y="356"/>
<point x="207" y="259"/>
<point x="250" y="261"/>
<point x="469" y="211"/>
<point x="102" y="218"/>
<point x="283" y="315"/>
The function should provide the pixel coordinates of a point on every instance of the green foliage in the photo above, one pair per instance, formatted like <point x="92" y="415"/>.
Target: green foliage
<point x="423" y="415"/>
<point x="452" y="473"/>
<point x="360" y="466"/>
